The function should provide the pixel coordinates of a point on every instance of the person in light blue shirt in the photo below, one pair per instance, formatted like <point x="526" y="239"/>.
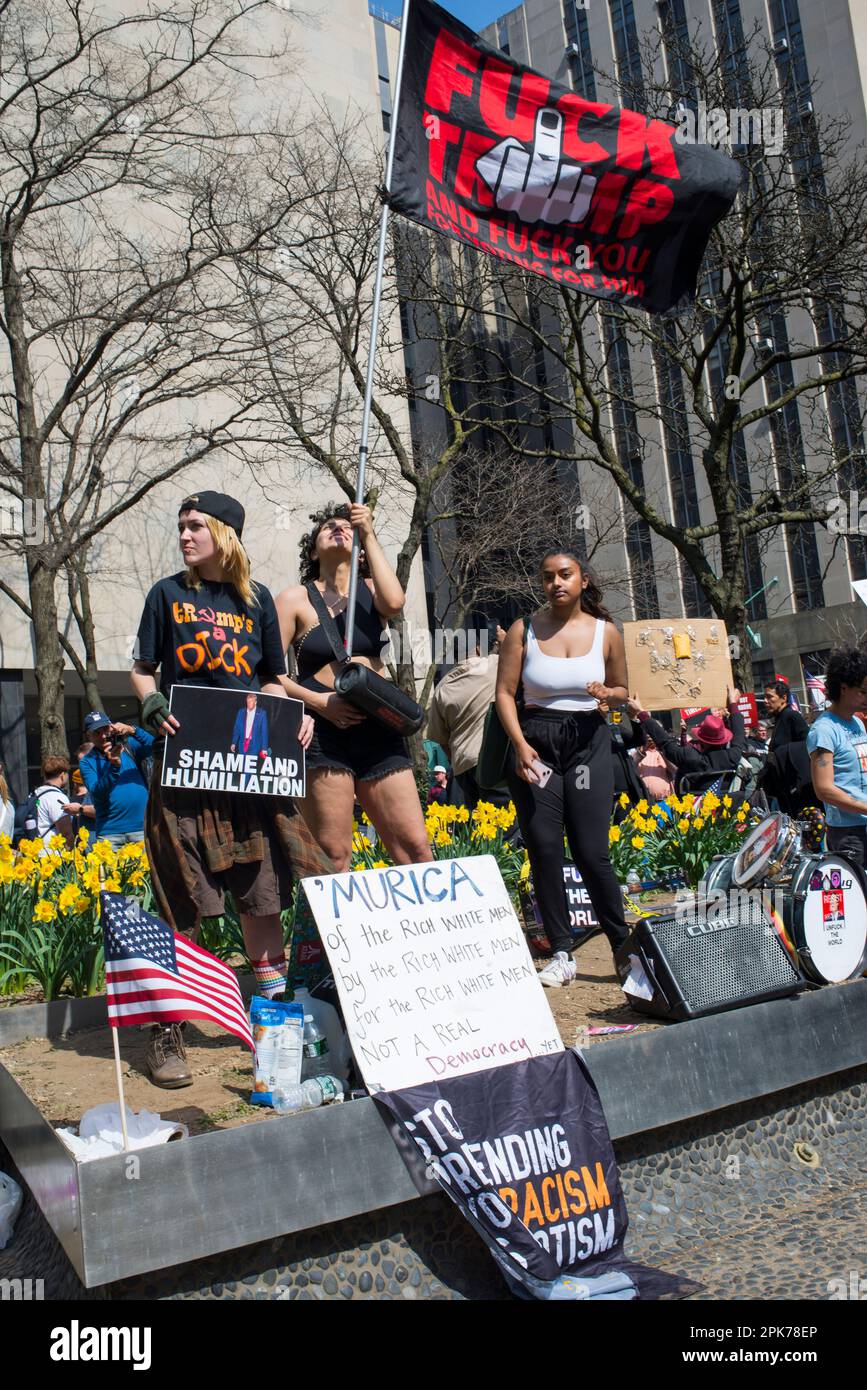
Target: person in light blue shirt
<point x="113" y="775"/>
<point x="837" y="744"/>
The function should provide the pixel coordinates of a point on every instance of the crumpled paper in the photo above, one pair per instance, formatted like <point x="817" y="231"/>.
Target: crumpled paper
<point x="100" y="1135"/>
<point x="11" y="1198"/>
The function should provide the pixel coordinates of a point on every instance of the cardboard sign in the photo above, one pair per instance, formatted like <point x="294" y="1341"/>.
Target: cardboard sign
<point x="433" y="972"/>
<point x="665" y="680"/>
<point x="238" y="741"/>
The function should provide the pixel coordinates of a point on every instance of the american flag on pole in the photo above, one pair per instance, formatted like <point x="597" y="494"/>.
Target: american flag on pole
<point x="153" y="975"/>
<point x="816" y="686"/>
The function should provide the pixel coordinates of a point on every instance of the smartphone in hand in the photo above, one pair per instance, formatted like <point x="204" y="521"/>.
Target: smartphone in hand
<point x="542" y="771"/>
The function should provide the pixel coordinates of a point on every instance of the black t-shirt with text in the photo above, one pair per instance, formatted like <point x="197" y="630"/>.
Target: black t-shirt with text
<point x="206" y="636"/>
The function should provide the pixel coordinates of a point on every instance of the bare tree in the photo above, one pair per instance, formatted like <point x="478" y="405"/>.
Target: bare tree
<point x="129" y="194"/>
<point x="755" y="385"/>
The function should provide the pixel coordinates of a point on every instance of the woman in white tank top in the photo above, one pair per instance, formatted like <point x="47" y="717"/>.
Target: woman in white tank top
<point x="560" y="770"/>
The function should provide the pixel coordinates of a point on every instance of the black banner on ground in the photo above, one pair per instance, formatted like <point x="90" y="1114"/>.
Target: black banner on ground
<point x="524" y="1152"/>
<point x="599" y="199"/>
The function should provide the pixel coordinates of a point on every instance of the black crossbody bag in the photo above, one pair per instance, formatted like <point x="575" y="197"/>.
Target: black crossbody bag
<point x="381" y="699"/>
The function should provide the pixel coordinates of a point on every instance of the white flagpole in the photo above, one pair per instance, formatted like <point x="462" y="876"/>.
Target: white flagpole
<point x="374" y="328"/>
<point x="116" y="1044"/>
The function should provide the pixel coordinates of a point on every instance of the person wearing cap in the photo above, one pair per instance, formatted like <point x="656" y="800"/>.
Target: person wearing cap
<point x="715" y="747"/>
<point x="437" y="790"/>
<point x="212" y="625"/>
<point x="458" y="709"/>
<point x="112" y="774"/>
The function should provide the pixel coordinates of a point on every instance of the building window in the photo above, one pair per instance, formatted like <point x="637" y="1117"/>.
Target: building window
<point x="578" y="49"/>
<point x="732" y="47"/>
<point x="675" y="37"/>
<point x="681" y="470"/>
<point x="627" y="438"/>
<point x="627" y="51"/>
<point x="503" y="35"/>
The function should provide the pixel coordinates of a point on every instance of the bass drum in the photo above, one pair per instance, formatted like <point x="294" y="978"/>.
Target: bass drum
<point x="825" y="914"/>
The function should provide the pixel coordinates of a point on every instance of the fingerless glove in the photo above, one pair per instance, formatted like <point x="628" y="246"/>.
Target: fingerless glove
<point x="154" y="710"/>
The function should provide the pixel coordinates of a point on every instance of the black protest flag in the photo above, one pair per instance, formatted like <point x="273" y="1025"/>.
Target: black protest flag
<point x="594" y="197"/>
<point x="524" y="1151"/>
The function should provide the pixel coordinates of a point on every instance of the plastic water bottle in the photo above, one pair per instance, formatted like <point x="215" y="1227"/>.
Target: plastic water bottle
<point x="328" y="1019"/>
<point x="316" y="1058"/>
<point x="315" y="1091"/>
<point x="633" y="882"/>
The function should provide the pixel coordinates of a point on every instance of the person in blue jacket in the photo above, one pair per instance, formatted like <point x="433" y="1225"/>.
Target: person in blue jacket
<point x="112" y="773"/>
<point x="250" y="734"/>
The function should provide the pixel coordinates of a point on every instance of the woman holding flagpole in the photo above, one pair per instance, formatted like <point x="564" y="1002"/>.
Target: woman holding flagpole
<point x="352" y="755"/>
<point x="211" y="624"/>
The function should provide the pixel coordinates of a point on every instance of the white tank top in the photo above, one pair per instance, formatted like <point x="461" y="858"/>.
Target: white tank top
<point x="560" y="682"/>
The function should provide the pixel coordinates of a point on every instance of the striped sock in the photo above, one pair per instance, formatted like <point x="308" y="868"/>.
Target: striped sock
<point x="271" y="975"/>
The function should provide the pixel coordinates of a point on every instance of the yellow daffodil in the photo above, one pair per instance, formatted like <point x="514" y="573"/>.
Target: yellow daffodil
<point x="683" y="825"/>
<point x="49" y="864"/>
<point x="741" y="815"/>
<point x="82" y="902"/>
<point x="727" y="801"/>
<point x="525" y="869"/>
<point x="90" y="880"/>
<point x="69" y="895"/>
<point x="614" y="834"/>
<point x="6" y="872"/>
<point x="137" y="879"/>
<point x="443" y="838"/>
<point x="7" y="856"/>
<point x="44" y="911"/>
<point x="56" y="842"/>
<point x="103" y="853"/>
<point x="642" y="808"/>
<point x="637" y="842"/>
<point x="378" y="863"/>
<point x="624" y="800"/>
<point x="31" y="848"/>
<point x="128" y="852"/>
<point x="83" y="835"/>
<point x="112" y="885"/>
<point x="659" y="812"/>
<point x="699" y="822"/>
<point x="23" y="871"/>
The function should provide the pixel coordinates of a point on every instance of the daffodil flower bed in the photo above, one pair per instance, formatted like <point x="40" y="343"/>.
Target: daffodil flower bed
<point x="50" y="931"/>
<point x="455" y="832"/>
<point x="677" y="838"/>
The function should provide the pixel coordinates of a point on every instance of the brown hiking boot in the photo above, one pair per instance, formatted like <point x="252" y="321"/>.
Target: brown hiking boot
<point x="167" y="1057"/>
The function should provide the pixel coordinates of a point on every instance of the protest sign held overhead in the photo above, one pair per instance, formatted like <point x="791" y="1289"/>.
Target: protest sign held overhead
<point x="432" y="969"/>
<point x="597" y="198"/>
<point x="238" y="741"/>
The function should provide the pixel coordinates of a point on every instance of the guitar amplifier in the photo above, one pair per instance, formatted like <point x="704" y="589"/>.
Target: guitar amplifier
<point x="687" y="966"/>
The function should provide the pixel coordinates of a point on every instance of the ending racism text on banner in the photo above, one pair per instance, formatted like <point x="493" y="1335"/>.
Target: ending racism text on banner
<point x="597" y="198"/>
<point x="432" y="969"/>
<point x="524" y="1152"/>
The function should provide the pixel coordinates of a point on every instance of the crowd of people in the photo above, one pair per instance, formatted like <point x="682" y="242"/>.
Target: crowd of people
<point x="575" y="739"/>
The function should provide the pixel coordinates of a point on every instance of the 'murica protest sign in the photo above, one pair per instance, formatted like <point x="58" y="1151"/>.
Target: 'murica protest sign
<point x="234" y="741"/>
<point x="432" y="970"/>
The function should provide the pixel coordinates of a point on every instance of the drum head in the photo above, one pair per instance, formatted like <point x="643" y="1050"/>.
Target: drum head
<point x="757" y="851"/>
<point x="829" y="919"/>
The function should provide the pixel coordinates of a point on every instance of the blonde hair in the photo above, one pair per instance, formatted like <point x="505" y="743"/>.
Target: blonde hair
<point x="4" y="787"/>
<point x="232" y="556"/>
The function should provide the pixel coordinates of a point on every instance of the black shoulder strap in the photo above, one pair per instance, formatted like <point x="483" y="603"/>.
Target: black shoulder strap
<point x="328" y="625"/>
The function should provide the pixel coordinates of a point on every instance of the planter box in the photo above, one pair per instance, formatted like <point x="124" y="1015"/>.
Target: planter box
<point x="223" y="1190"/>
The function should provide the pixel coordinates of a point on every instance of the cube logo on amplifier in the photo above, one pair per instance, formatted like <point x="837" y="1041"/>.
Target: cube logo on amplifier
<point x="686" y="967"/>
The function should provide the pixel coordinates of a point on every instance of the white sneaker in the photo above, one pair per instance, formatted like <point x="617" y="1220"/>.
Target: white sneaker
<point x="558" y="971"/>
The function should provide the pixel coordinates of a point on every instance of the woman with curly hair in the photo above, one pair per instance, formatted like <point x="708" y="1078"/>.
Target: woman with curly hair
<point x="837" y="744"/>
<point x="352" y="756"/>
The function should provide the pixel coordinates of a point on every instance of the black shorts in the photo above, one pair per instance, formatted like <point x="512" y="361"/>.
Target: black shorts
<point x="368" y="750"/>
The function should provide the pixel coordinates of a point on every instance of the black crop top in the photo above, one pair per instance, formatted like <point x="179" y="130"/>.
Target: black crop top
<point x="313" y="651"/>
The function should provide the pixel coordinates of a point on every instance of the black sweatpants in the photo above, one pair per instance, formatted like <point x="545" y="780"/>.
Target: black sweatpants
<point x="577" y="799"/>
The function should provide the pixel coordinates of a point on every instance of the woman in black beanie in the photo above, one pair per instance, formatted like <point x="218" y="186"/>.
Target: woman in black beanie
<point x="210" y="624"/>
